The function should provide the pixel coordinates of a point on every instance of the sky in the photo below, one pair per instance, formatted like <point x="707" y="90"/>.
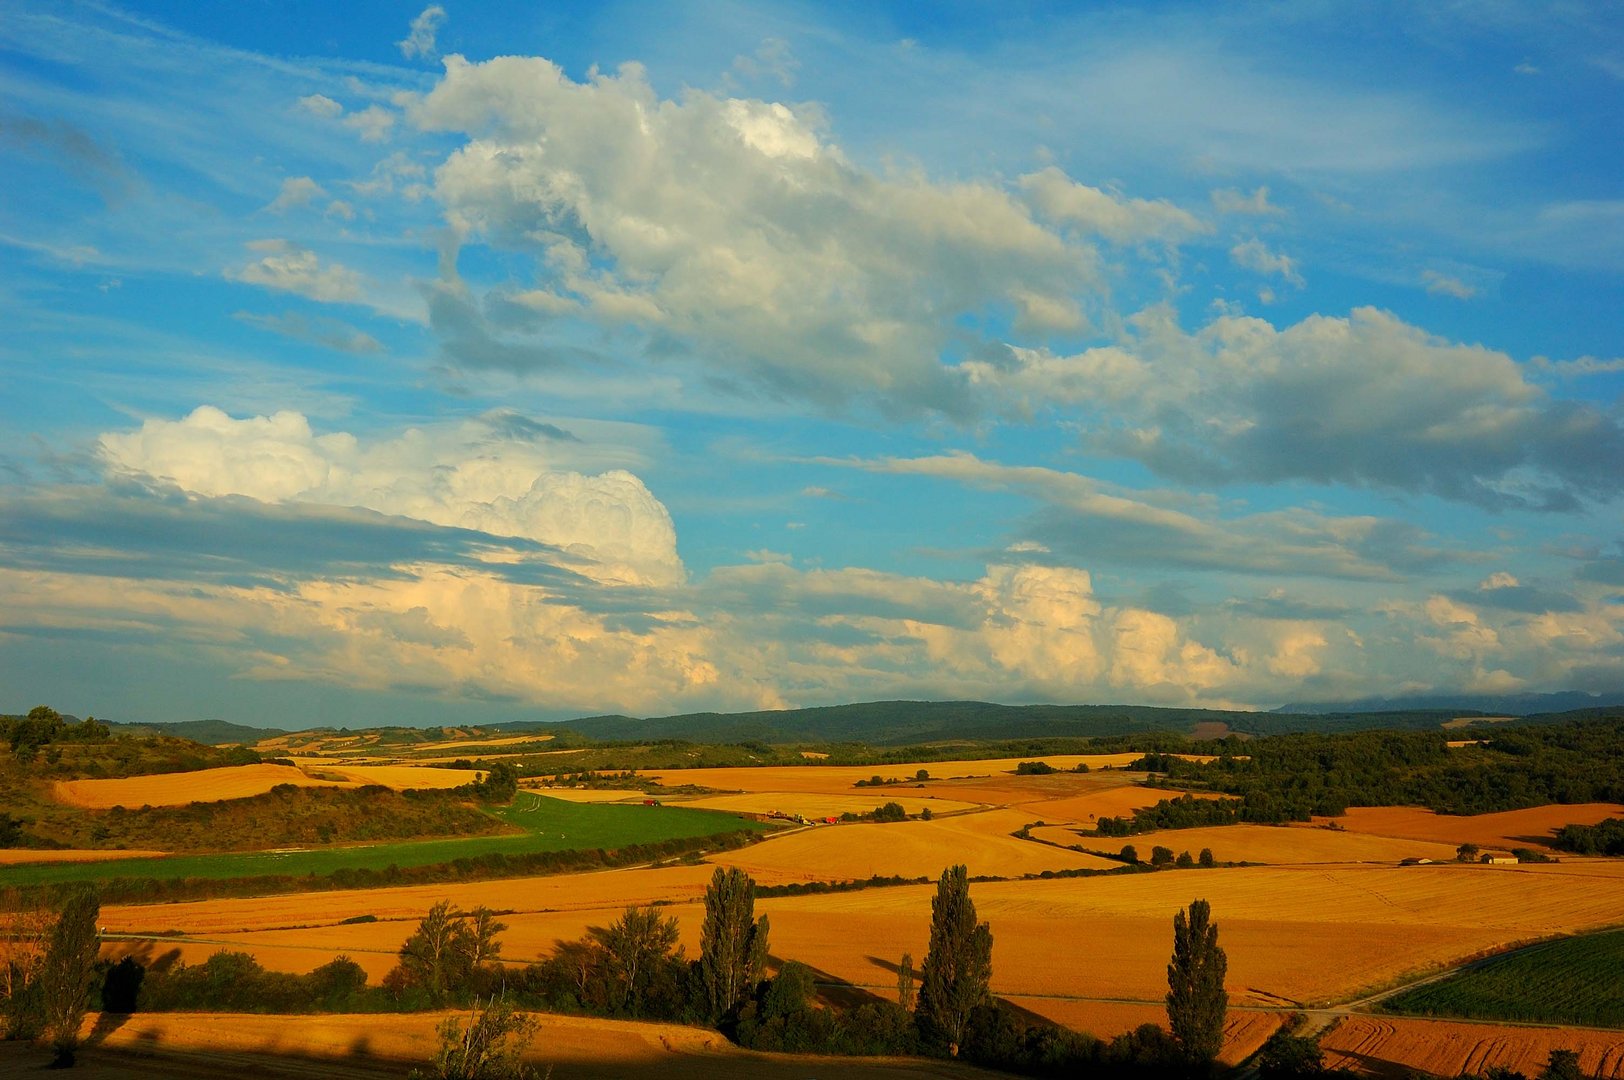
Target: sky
<point x="386" y="363"/>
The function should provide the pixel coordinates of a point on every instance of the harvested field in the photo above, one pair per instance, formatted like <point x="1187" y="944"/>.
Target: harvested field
<point x="1110" y="800"/>
<point x="1382" y="1046"/>
<point x="588" y="795"/>
<point x="842" y="779"/>
<point x="1513" y="828"/>
<point x="819" y="806"/>
<point x="1273" y="844"/>
<point x="1244" y="1030"/>
<point x="607" y="890"/>
<point x="506" y="740"/>
<point x="24" y="856"/>
<point x="1467" y="721"/>
<point x="981" y="841"/>
<point x="577" y="1048"/>
<point x="177" y="789"/>
<point x="399" y="777"/>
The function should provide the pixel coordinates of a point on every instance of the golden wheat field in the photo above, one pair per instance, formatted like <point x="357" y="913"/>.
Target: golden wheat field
<point x="842" y="779"/>
<point x="1273" y="844"/>
<point x="1384" y="1045"/>
<point x="399" y="777"/>
<point x="177" y="789"/>
<point x="19" y="856"/>
<point x="575" y="1048"/>
<point x="817" y="806"/>
<point x="1513" y="828"/>
<point x="1304" y="934"/>
<point x="981" y="840"/>
<point x="587" y="795"/>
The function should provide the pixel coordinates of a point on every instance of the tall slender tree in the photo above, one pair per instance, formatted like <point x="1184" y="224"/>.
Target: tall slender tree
<point x="958" y="967"/>
<point x="1196" y="1001"/>
<point x="68" y="971"/>
<point x="438" y="955"/>
<point x="732" y="943"/>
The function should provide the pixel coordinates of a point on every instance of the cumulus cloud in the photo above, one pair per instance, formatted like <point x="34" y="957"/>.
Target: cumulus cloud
<point x="420" y="41"/>
<point x="285" y="266"/>
<point x="1441" y="284"/>
<point x="472" y="475"/>
<point x="373" y="123"/>
<point x="1367" y="400"/>
<point x="733" y="228"/>
<point x="1253" y="254"/>
<point x="1256" y="204"/>
<point x="1061" y="199"/>
<point x="321" y="105"/>
<point x="296" y="191"/>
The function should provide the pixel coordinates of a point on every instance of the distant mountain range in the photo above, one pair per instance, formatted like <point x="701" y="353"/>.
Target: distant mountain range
<point x="897" y="723"/>
<point x="1486" y="704"/>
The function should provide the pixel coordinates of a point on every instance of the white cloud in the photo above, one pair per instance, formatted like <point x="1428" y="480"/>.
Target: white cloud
<point x="1440" y="284"/>
<point x="1500" y="579"/>
<point x="1061" y="199"/>
<point x="734" y="227"/>
<point x="296" y="191"/>
<point x="1257" y="204"/>
<point x="321" y="105"/>
<point x="289" y="268"/>
<point x="1363" y="400"/>
<point x="466" y="475"/>
<point x="1253" y="254"/>
<point x="374" y="123"/>
<point x="420" y="41"/>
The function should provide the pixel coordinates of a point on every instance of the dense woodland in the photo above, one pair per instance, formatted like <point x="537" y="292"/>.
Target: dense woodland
<point x="1294" y="777"/>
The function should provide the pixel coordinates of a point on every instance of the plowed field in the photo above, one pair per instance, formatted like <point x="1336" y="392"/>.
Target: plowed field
<point x="1514" y="828"/>
<point x="1381" y="1045"/>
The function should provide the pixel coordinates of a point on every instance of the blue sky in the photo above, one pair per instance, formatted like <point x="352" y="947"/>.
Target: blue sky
<point x="373" y="362"/>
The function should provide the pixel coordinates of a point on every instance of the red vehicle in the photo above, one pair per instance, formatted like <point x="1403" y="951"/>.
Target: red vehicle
<point x="651" y="802"/>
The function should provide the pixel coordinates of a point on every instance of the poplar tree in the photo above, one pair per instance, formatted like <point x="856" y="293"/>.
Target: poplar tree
<point x="68" y="970"/>
<point x="1196" y="1001"/>
<point x="732" y="943"/>
<point x="958" y="966"/>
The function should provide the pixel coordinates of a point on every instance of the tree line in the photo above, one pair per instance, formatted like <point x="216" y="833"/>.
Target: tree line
<point x="1297" y="776"/>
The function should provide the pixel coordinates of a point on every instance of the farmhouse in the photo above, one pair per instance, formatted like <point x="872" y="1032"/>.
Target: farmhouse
<point x="1498" y="858"/>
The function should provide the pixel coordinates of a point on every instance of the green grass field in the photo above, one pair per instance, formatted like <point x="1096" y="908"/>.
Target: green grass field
<point x="549" y="824"/>
<point x="1570" y="981"/>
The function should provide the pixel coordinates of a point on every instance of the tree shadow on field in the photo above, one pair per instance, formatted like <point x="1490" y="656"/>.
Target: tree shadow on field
<point x="1383" y="1069"/>
<point x="831" y="990"/>
<point x="144" y="953"/>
